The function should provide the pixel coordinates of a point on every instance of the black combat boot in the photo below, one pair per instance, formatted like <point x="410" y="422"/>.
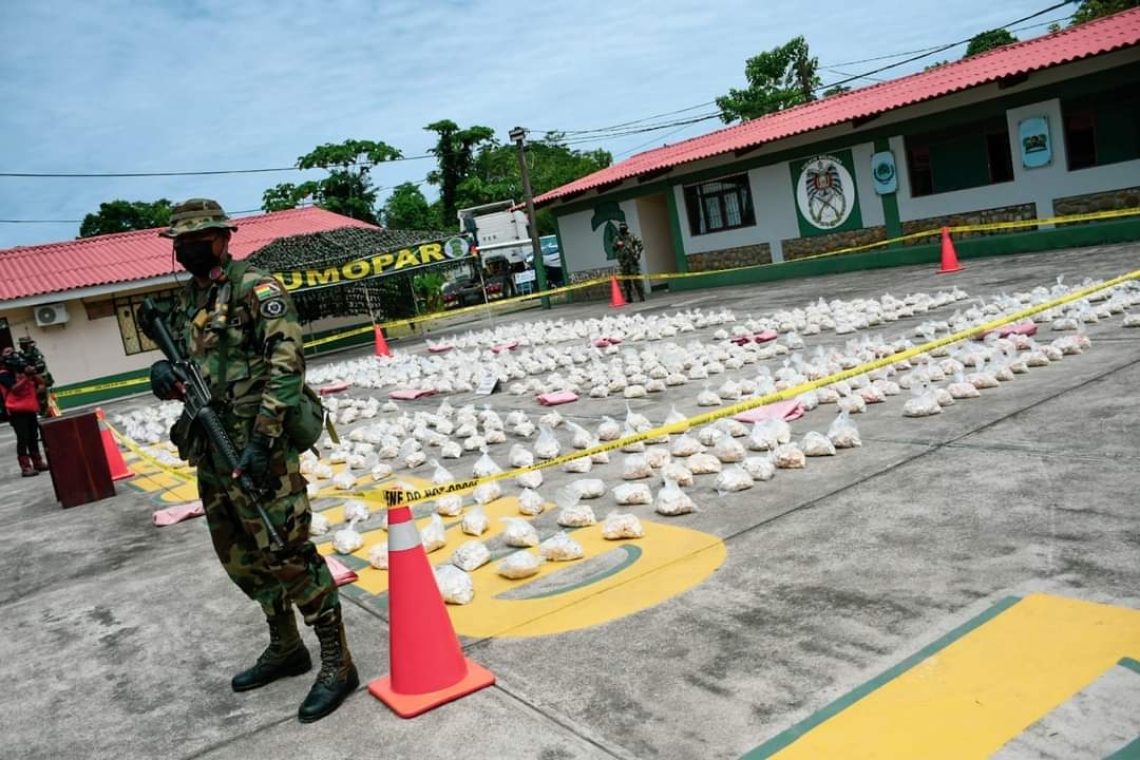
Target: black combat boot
<point x="338" y="676"/>
<point x="286" y="655"/>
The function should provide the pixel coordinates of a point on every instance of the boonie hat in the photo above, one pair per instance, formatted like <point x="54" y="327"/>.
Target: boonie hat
<point x="197" y="214"/>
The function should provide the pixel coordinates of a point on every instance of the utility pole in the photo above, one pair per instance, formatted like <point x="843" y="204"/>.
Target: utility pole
<point x="518" y="134"/>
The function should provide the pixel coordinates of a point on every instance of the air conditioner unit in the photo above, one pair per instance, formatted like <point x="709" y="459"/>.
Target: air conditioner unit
<point x="51" y="314"/>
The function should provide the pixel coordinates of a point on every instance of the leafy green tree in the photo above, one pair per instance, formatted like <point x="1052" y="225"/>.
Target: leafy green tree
<point x="988" y="40"/>
<point x="455" y="151"/>
<point x="124" y="216"/>
<point x="1090" y="9"/>
<point x="838" y="89"/>
<point x="408" y="209"/>
<point x="495" y="173"/>
<point x="347" y="189"/>
<point x="780" y="78"/>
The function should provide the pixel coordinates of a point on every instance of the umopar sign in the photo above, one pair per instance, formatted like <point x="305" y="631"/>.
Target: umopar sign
<point x="389" y="262"/>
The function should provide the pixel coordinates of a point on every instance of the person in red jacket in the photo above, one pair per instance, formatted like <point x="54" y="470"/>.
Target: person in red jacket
<point x="21" y="386"/>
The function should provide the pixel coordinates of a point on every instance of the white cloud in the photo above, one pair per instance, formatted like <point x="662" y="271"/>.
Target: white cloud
<point x="119" y="85"/>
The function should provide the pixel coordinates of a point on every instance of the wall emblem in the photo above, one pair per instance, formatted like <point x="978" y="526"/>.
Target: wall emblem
<point x="826" y="197"/>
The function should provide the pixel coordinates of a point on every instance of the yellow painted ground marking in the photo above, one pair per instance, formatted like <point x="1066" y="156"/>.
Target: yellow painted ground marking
<point x="972" y="697"/>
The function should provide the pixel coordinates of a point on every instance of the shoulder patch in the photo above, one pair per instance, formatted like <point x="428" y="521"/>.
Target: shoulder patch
<point x="273" y="308"/>
<point x="268" y="289"/>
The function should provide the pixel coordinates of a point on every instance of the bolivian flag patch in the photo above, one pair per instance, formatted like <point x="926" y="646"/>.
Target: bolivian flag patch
<point x="266" y="290"/>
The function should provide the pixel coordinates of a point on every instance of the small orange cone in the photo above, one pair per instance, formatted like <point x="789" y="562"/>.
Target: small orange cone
<point x="381" y="344"/>
<point x="115" y="463"/>
<point x="427" y="666"/>
<point x="616" y="299"/>
<point x="949" y="255"/>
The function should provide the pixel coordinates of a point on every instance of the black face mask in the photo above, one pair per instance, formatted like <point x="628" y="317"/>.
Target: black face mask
<point x="196" y="256"/>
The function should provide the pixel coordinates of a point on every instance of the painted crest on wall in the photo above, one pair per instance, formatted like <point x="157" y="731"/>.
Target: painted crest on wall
<point x="1033" y="134"/>
<point x="883" y="174"/>
<point x="608" y="215"/>
<point x="826" y="199"/>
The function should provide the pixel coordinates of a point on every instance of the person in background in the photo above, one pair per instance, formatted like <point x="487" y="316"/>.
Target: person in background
<point x="35" y="358"/>
<point x="21" y="386"/>
<point x="628" y="247"/>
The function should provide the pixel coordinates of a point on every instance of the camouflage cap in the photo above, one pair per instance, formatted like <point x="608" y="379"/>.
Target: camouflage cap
<point x="197" y="214"/>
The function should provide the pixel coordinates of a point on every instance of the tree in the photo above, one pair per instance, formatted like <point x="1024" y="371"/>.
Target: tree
<point x="408" y="209"/>
<point x="1090" y="9"/>
<point x="838" y="89"/>
<point x="780" y="78"/>
<point x="346" y="190"/>
<point x="988" y="40"/>
<point x="455" y="150"/>
<point x="495" y="173"/>
<point x="124" y="216"/>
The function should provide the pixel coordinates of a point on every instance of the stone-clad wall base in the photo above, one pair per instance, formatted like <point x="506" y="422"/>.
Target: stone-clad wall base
<point x="730" y="258"/>
<point x="798" y="248"/>
<point x="1110" y="200"/>
<point x="1018" y="213"/>
<point x="599" y="292"/>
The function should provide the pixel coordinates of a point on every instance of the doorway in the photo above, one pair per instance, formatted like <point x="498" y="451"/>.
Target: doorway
<point x="656" y="235"/>
<point x="5" y="335"/>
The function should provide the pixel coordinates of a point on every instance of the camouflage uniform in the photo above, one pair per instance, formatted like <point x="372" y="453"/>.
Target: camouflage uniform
<point x="629" y="249"/>
<point x="255" y="366"/>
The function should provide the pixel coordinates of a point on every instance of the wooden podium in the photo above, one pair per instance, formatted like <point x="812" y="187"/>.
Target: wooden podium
<point x="79" y="471"/>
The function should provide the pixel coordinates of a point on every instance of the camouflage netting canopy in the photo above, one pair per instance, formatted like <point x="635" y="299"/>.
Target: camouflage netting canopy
<point x="391" y="295"/>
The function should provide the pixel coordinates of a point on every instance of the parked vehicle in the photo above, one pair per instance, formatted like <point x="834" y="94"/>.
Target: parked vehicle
<point x="467" y="290"/>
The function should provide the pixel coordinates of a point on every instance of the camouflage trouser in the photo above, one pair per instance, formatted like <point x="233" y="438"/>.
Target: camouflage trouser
<point x="274" y="579"/>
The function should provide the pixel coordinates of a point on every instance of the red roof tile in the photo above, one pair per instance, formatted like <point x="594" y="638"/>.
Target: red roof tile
<point x="140" y="255"/>
<point x="1094" y="38"/>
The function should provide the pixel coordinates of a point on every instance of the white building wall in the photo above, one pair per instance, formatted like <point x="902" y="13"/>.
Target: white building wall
<point x="583" y="245"/>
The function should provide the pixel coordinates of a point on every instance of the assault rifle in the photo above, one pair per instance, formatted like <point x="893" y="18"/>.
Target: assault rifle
<point x="198" y="405"/>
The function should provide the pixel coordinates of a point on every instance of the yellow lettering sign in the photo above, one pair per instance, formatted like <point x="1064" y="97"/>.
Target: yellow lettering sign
<point x="431" y="252"/>
<point x="406" y="259"/>
<point x="356" y="270"/>
<point x="326" y="277"/>
<point x="382" y="262"/>
<point x="291" y="280"/>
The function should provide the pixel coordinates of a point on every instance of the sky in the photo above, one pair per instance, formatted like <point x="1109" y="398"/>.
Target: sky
<point x="191" y="85"/>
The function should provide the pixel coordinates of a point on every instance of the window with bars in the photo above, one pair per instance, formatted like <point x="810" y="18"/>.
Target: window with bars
<point x="723" y="204"/>
<point x="127" y="311"/>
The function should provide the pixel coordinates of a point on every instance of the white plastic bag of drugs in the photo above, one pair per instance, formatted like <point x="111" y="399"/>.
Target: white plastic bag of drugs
<point x="760" y="468"/>
<point x="434" y="534"/>
<point x="319" y="525"/>
<point x="789" y="456"/>
<point x="470" y="556"/>
<point x="733" y="478"/>
<point x="703" y="464"/>
<point x="485" y="493"/>
<point x="817" y="445"/>
<point x="547" y="446"/>
<point x="685" y="445"/>
<point x="530" y="503"/>
<point x="519" y="456"/>
<point x="728" y="450"/>
<point x="440" y="474"/>
<point x="355" y="510"/>
<point x="484" y="467"/>
<point x="658" y="457"/>
<point x="922" y="403"/>
<point x="378" y="555"/>
<point x="532" y="479"/>
<point x="450" y="450"/>
<point x="588" y="488"/>
<point x="708" y="397"/>
<point x="581" y="436"/>
<point x="632" y="493"/>
<point x="579" y="465"/>
<point x="710" y="434"/>
<point x="519" y="532"/>
<point x="960" y="389"/>
<point x="347" y="539"/>
<point x="675" y="417"/>
<point x="560" y="548"/>
<point x="672" y="501"/>
<point x="609" y="430"/>
<point x="381" y="471"/>
<point x="344" y="480"/>
<point x="636" y="467"/>
<point x="455" y="585"/>
<point x="521" y="564"/>
<point x="449" y="505"/>
<point x="475" y="522"/>
<point x="572" y="514"/>
<point x="843" y="434"/>
<point x="678" y="473"/>
<point x="617" y="526"/>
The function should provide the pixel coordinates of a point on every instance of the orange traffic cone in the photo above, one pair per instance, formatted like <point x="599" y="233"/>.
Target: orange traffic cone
<point x="616" y="299"/>
<point x="381" y="344"/>
<point x="949" y="255"/>
<point x="427" y="666"/>
<point x="115" y="463"/>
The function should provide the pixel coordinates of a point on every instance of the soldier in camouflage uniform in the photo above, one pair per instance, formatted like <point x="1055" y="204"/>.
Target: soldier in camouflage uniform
<point x="240" y="327"/>
<point x="628" y="247"/>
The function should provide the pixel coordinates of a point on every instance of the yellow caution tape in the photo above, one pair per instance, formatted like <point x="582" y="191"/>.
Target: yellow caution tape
<point x="408" y="497"/>
<point x="143" y="455"/>
<point x="100" y="387"/>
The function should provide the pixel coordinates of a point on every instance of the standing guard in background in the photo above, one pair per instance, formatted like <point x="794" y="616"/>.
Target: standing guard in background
<point x="239" y="326"/>
<point x="628" y="247"/>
